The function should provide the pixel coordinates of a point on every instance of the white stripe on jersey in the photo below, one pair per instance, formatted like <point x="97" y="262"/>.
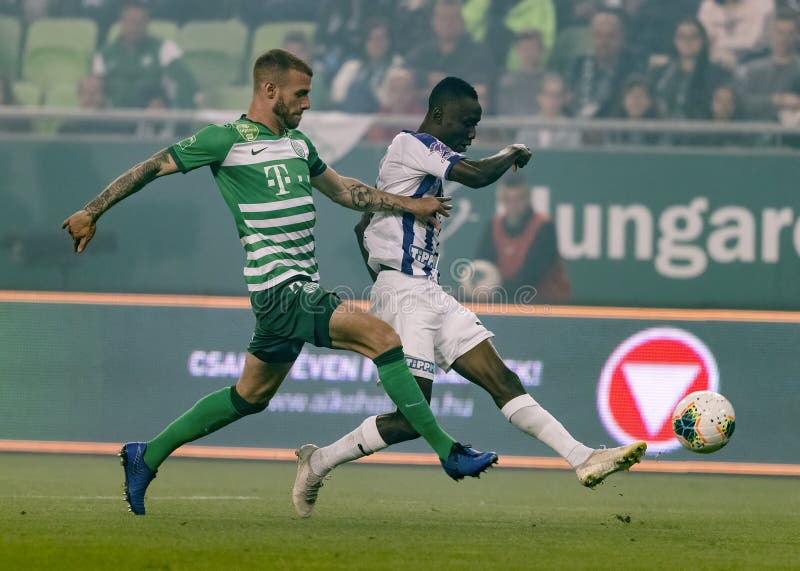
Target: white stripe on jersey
<point x="414" y="165"/>
<point x="285" y="221"/>
<point x="269" y="250"/>
<point x="276" y="205"/>
<point x="277" y="239"/>
<point x="267" y="268"/>
<point x="280" y="279"/>
<point x="264" y="151"/>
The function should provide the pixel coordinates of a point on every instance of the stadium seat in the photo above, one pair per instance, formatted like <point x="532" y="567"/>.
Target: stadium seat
<point x="162" y="29"/>
<point x="62" y="95"/>
<point x="57" y="95"/>
<point x="9" y="46"/>
<point x="232" y="97"/>
<point x="27" y="93"/>
<point x="570" y="43"/>
<point x="268" y="36"/>
<point x="214" y="51"/>
<point x="58" y="50"/>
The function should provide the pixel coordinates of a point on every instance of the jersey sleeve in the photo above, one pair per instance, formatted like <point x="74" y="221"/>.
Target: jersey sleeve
<point x="209" y="146"/>
<point x="316" y="166"/>
<point x="425" y="153"/>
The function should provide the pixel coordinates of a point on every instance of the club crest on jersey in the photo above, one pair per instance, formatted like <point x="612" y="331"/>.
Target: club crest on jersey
<point x="247" y="131"/>
<point x="186" y="143"/>
<point x="441" y="149"/>
<point x="299" y="148"/>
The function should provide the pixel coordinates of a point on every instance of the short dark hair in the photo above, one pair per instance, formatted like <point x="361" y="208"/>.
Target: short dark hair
<point x="448" y="89"/>
<point x="533" y="34"/>
<point x="274" y="64"/>
<point x="636" y="80"/>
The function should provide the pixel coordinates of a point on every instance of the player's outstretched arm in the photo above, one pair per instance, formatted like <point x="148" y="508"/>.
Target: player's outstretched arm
<point x="82" y="225"/>
<point x="359" y="229"/>
<point x="483" y="172"/>
<point x="354" y="194"/>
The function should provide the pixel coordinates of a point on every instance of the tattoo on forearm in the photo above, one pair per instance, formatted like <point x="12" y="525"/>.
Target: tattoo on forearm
<point x="127" y="183"/>
<point x="366" y="199"/>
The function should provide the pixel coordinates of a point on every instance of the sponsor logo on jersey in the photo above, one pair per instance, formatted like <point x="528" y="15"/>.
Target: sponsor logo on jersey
<point x="643" y="380"/>
<point x="247" y="131"/>
<point x="277" y="174"/>
<point x="186" y="143"/>
<point x="255" y="152"/>
<point x="423" y="256"/>
<point x="299" y="148"/>
<point x="421" y="365"/>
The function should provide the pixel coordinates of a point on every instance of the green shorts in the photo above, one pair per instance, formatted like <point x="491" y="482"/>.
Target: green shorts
<point x="288" y="316"/>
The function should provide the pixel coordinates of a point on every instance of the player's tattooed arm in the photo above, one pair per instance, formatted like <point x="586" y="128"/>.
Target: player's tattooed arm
<point x="132" y="180"/>
<point x="356" y="195"/>
<point x="368" y="199"/>
<point x="82" y="225"/>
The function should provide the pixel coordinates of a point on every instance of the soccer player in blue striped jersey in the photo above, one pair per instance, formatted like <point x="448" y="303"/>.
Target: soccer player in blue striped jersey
<point x="265" y="169"/>
<point x="402" y="257"/>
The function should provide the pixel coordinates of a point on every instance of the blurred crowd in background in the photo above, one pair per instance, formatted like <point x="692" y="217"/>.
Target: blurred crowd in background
<point x="720" y="60"/>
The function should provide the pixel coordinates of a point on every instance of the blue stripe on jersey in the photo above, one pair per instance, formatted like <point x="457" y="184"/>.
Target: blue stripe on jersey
<point x="452" y="160"/>
<point x="408" y="224"/>
<point x="424" y="138"/>
<point x="428" y="246"/>
<point x="429" y="233"/>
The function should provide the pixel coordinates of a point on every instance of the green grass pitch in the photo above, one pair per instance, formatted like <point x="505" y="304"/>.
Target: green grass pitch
<point x="66" y="512"/>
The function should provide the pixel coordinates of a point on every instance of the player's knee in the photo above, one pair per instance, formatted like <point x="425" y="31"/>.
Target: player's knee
<point x="385" y="338"/>
<point x="251" y="403"/>
<point x="511" y="381"/>
<point x="395" y="428"/>
<point x="505" y="385"/>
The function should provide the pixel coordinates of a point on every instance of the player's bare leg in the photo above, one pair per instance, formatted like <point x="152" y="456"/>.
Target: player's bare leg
<point x="484" y="367"/>
<point x="256" y="386"/>
<point x="357" y="330"/>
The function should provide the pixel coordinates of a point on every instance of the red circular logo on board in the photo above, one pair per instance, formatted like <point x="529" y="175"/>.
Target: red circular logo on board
<point x="643" y="380"/>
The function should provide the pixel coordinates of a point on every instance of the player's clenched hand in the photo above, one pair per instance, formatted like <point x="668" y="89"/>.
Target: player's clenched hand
<point x="522" y="155"/>
<point x="81" y="227"/>
<point x="426" y="209"/>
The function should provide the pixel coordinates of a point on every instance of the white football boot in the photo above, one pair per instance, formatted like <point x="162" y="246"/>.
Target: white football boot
<point x="307" y="483"/>
<point x="605" y="461"/>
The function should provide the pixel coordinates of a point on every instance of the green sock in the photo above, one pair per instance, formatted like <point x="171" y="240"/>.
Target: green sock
<point x="403" y="389"/>
<point x="210" y="413"/>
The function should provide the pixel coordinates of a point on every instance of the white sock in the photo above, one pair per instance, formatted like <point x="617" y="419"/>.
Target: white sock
<point x="529" y="416"/>
<point x="363" y="441"/>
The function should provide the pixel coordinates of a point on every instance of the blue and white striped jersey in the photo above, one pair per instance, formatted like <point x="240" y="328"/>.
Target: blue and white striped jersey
<point x="414" y="165"/>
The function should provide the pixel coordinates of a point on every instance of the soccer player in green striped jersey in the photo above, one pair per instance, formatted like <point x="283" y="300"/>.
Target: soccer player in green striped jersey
<point x="265" y="170"/>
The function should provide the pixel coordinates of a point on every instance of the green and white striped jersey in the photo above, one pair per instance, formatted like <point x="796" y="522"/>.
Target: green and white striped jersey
<point x="266" y="181"/>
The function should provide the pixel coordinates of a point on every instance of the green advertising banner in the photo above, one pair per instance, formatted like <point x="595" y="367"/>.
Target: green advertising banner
<point x="105" y="373"/>
<point x="667" y="229"/>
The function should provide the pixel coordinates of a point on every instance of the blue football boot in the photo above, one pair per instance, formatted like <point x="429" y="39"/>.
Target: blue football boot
<point x="137" y="475"/>
<point x="465" y="461"/>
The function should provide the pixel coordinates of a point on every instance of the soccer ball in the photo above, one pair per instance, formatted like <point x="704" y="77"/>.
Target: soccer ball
<point x="703" y="421"/>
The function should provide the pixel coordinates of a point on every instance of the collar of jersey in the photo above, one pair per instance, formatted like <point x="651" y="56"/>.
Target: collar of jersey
<point x="246" y="118"/>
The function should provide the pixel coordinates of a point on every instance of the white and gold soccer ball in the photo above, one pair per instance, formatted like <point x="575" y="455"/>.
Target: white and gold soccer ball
<point x="703" y="421"/>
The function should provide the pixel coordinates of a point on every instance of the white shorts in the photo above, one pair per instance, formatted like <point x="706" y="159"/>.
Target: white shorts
<point x="435" y="329"/>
